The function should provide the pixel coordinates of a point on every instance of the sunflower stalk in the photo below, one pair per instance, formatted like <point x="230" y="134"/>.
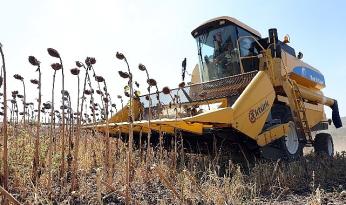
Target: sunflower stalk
<point x="120" y="56"/>
<point x="4" y="127"/>
<point x="51" y="136"/>
<point x="36" y="159"/>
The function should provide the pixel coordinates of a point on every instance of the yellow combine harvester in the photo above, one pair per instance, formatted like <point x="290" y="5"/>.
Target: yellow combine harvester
<point x="248" y="91"/>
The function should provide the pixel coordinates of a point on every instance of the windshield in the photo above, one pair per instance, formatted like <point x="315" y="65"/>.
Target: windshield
<point x="218" y="53"/>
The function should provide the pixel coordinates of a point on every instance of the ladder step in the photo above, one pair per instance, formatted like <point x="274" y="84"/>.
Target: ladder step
<point x="300" y="115"/>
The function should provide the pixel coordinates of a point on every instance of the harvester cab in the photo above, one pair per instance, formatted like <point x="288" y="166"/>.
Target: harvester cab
<point x="252" y="91"/>
<point x="222" y="44"/>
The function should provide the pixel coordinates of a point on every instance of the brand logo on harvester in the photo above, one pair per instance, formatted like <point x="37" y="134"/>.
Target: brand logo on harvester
<point x="257" y="112"/>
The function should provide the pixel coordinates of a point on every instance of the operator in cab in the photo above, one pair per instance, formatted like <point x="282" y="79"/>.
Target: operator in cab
<point x="226" y="57"/>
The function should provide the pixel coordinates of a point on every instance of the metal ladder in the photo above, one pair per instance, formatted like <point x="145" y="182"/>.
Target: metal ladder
<point x="300" y="113"/>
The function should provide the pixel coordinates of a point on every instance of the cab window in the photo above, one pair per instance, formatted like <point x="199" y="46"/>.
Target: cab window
<point x="248" y="51"/>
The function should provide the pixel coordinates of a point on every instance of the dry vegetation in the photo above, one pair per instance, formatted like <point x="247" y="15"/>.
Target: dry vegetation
<point x="196" y="180"/>
<point x="58" y="162"/>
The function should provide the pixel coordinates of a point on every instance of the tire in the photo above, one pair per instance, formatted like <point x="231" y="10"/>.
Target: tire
<point x="324" y="145"/>
<point x="287" y="147"/>
<point x="291" y="146"/>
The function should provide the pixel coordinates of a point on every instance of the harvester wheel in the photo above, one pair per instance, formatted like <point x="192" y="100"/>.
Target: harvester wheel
<point x="324" y="145"/>
<point x="287" y="147"/>
<point x="290" y="145"/>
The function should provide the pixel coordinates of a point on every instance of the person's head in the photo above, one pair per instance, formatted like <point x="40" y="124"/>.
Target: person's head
<point x="206" y="59"/>
<point x="229" y="46"/>
<point x="218" y="37"/>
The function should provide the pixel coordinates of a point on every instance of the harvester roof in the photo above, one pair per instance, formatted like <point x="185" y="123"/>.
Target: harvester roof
<point x="227" y="19"/>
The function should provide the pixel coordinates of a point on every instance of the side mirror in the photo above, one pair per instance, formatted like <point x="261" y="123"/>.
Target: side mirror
<point x="300" y="55"/>
<point x="183" y="71"/>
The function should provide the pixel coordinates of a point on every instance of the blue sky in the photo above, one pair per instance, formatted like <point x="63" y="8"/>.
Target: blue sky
<point x="157" y="34"/>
